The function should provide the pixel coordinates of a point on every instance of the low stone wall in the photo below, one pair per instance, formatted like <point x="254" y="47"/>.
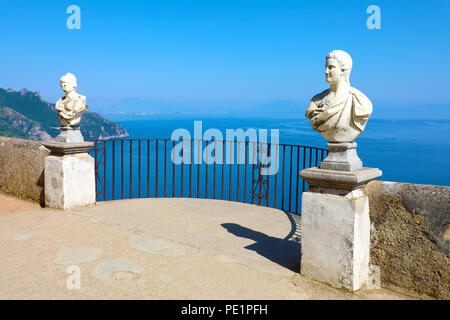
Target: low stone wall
<point x="410" y="236"/>
<point x="22" y="168"/>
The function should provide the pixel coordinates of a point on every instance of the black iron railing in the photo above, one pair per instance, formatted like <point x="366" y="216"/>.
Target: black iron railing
<point x="244" y="171"/>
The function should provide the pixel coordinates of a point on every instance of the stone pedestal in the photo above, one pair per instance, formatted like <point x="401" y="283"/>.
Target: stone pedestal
<point x="335" y="236"/>
<point x="69" y="175"/>
<point x="342" y="156"/>
<point x="70" y="135"/>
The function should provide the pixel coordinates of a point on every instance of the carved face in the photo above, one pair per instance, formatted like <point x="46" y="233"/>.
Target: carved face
<point x="333" y="72"/>
<point x="67" y="86"/>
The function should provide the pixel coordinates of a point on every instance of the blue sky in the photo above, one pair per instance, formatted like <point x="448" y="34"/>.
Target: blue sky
<point x="225" y="53"/>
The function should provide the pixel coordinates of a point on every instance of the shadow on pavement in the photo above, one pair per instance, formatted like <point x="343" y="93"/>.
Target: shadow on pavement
<point x="285" y="252"/>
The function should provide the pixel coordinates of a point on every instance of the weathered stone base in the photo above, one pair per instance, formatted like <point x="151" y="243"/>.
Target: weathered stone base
<point x="336" y="226"/>
<point x="69" y="181"/>
<point x="336" y="238"/>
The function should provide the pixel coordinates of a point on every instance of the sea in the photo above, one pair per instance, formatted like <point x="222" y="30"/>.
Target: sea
<point x="406" y="150"/>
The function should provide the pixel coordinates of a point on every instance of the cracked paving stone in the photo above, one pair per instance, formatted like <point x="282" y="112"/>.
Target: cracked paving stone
<point x="77" y="255"/>
<point x="156" y="246"/>
<point x="24" y="236"/>
<point x="106" y="268"/>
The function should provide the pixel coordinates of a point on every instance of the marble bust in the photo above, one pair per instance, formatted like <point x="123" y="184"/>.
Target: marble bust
<point x="71" y="107"/>
<point x="339" y="113"/>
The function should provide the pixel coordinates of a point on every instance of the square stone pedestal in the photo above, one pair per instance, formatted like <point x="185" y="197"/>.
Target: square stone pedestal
<point x="342" y="156"/>
<point x="69" y="175"/>
<point x="335" y="232"/>
<point x="70" y="135"/>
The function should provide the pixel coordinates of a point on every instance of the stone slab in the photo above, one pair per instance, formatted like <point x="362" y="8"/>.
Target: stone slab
<point x="335" y="241"/>
<point x="24" y="236"/>
<point x="344" y="181"/>
<point x="65" y="148"/>
<point x="106" y="268"/>
<point x="76" y="255"/>
<point x="156" y="246"/>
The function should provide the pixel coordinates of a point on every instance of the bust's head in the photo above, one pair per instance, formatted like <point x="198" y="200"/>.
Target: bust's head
<point x="68" y="83"/>
<point x="338" y="67"/>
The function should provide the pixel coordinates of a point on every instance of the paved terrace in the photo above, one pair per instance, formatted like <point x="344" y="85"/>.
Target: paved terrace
<point x="157" y="249"/>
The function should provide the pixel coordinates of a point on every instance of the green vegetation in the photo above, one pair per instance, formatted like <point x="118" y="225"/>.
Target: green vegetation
<point x="6" y="130"/>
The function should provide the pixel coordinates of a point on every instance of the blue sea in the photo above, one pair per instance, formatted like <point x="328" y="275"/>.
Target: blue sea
<point x="414" y="151"/>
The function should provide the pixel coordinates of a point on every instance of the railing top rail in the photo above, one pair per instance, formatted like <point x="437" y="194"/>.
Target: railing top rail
<point x="205" y="140"/>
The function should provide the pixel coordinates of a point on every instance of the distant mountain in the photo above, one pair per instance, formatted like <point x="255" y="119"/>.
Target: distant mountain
<point x="24" y="114"/>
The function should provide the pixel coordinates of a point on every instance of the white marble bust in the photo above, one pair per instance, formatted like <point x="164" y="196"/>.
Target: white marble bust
<point x="339" y="113"/>
<point x="71" y="107"/>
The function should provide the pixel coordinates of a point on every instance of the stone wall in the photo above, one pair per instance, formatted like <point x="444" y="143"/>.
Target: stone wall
<point x="22" y="168"/>
<point x="410" y="236"/>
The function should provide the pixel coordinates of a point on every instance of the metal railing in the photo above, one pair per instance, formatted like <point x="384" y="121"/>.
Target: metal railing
<point x="145" y="168"/>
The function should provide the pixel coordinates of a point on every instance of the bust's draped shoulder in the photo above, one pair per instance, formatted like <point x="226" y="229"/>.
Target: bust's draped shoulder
<point x="60" y="104"/>
<point x="76" y="103"/>
<point x="315" y="104"/>
<point x="361" y="108"/>
<point x="81" y="98"/>
<point x="80" y="102"/>
<point x="342" y="118"/>
<point x="318" y="97"/>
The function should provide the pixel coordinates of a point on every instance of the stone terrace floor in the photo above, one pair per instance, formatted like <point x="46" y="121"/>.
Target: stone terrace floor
<point x="157" y="249"/>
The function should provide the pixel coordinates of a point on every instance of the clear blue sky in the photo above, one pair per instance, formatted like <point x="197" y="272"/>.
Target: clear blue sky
<point x="226" y="52"/>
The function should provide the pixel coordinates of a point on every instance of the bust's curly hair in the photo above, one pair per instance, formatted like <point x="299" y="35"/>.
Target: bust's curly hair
<point x="69" y="77"/>
<point x="344" y="60"/>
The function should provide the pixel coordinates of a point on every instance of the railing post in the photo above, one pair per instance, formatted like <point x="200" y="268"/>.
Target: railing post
<point x="96" y="168"/>
<point x="165" y="167"/>
<point x="156" y="173"/>
<point x="198" y="169"/>
<point x="131" y="168"/>
<point x="139" y="169"/>
<point x="173" y="169"/>
<point x="121" y="170"/>
<point x="182" y="166"/>
<point x="113" y="169"/>
<point x="148" y="168"/>
<point x="297" y="175"/>
<point x="206" y="165"/>
<point x="190" y="169"/>
<point x="245" y="172"/>
<point x="104" y="170"/>
<point x="215" y="160"/>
